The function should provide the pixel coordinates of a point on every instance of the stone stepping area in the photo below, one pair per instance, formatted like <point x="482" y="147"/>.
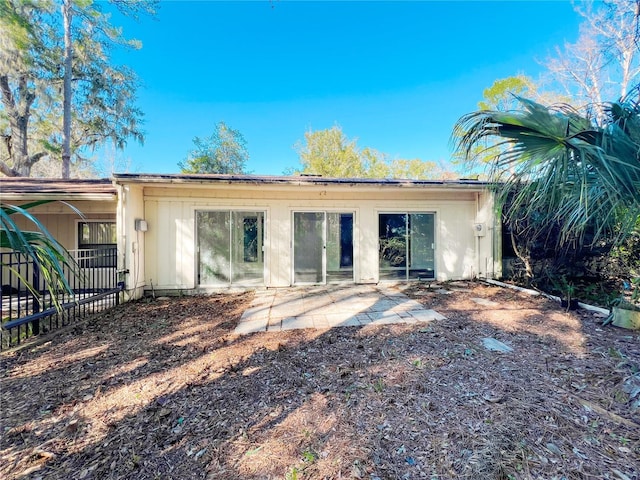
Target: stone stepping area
<point x="321" y="307"/>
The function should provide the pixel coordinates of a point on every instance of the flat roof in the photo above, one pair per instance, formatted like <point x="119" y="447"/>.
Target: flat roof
<point x="19" y="188"/>
<point x="291" y="180"/>
<point x="23" y="188"/>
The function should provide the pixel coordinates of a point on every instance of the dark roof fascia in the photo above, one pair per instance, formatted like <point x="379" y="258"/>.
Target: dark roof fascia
<point x="121" y="178"/>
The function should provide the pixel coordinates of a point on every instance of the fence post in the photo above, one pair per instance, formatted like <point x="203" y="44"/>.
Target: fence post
<point x="35" y="325"/>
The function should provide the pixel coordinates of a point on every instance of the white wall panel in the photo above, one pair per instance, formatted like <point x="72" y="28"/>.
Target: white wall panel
<point x="170" y="242"/>
<point x="151" y="240"/>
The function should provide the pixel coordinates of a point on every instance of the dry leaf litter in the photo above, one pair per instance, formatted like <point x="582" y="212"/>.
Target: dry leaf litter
<point x="161" y="389"/>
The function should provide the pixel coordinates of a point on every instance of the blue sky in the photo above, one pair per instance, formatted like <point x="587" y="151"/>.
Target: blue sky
<point x="394" y="75"/>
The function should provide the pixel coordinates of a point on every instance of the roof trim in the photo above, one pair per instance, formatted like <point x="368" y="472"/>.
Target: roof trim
<point x="145" y="178"/>
<point x="20" y="188"/>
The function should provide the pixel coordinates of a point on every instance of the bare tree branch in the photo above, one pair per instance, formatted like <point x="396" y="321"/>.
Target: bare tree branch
<point x="7" y="170"/>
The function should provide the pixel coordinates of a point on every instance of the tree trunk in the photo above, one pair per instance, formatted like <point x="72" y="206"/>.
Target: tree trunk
<point x="18" y="111"/>
<point x="523" y="257"/>
<point x="636" y="39"/>
<point x="7" y="170"/>
<point x="66" y="90"/>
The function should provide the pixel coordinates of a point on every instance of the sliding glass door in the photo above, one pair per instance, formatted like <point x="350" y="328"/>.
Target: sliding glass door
<point x="406" y="246"/>
<point x="339" y="247"/>
<point x="421" y="246"/>
<point x="322" y="247"/>
<point x="308" y="247"/>
<point x="229" y="245"/>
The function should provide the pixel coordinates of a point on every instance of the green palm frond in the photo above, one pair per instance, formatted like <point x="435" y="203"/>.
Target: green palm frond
<point x="51" y="258"/>
<point x="558" y="162"/>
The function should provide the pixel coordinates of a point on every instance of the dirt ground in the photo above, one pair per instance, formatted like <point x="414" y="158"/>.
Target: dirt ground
<point x="161" y="389"/>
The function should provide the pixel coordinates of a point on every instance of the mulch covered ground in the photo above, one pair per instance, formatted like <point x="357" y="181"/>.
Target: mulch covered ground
<point x="162" y="389"/>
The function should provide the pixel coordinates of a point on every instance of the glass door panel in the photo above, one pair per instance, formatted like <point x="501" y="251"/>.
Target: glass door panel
<point x="308" y="247"/>
<point x="247" y="264"/>
<point x="339" y="247"/>
<point x="406" y="246"/>
<point x="214" y="236"/>
<point x="421" y="242"/>
<point x="392" y="229"/>
<point x="230" y="248"/>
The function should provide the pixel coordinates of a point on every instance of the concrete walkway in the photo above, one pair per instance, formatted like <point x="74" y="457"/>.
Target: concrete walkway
<point x="330" y="306"/>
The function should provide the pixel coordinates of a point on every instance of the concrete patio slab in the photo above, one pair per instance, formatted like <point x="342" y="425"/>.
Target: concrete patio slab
<point x="256" y="312"/>
<point x="330" y="306"/>
<point x="387" y="320"/>
<point x="293" y="323"/>
<point x="251" y="326"/>
<point x="345" y="319"/>
<point x="320" y="321"/>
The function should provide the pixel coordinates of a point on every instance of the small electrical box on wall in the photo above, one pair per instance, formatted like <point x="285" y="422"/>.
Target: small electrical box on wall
<point x="479" y="229"/>
<point x="141" y="225"/>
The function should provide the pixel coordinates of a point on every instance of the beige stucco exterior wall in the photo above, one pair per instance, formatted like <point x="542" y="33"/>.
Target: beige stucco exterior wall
<point x="169" y="246"/>
<point x="131" y="241"/>
<point x="490" y="243"/>
<point x="61" y="221"/>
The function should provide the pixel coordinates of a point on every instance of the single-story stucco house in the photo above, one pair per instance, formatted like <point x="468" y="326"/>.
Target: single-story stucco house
<point x="199" y="232"/>
<point x="195" y="233"/>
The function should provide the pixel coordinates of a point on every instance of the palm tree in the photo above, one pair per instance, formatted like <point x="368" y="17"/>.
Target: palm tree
<point x="39" y="246"/>
<point x="561" y="166"/>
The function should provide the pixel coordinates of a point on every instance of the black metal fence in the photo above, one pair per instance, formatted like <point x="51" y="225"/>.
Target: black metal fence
<point x="29" y="309"/>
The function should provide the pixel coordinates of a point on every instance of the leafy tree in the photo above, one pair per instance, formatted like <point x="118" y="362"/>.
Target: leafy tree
<point x="81" y="167"/>
<point x="568" y="173"/>
<point x="32" y="76"/>
<point x="224" y="151"/>
<point x="331" y="154"/>
<point x="415" y="169"/>
<point x="501" y="95"/>
<point x="603" y="63"/>
<point x="568" y="190"/>
<point x="18" y="90"/>
<point x="90" y="18"/>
